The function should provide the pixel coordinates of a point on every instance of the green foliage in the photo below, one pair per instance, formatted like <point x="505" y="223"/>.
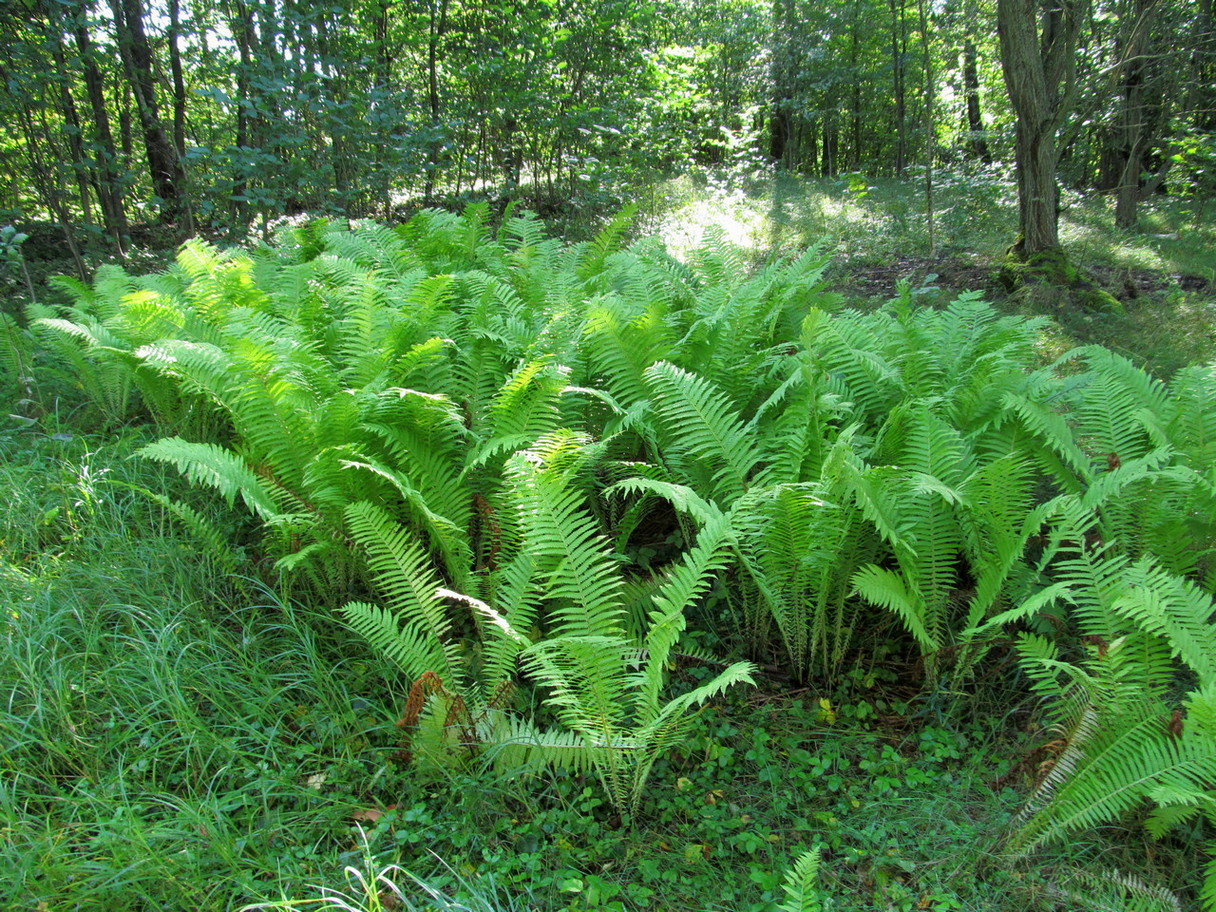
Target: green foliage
<point x="601" y="684"/>
<point x="158" y="711"/>
<point x="548" y="459"/>
<point x="1129" y="697"/>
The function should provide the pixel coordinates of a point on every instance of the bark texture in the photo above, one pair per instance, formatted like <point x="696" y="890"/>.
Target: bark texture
<point x="1038" y="45"/>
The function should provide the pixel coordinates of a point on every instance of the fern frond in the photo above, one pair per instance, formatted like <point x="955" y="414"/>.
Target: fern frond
<point x="684" y="585"/>
<point x="416" y="620"/>
<point x="890" y="590"/>
<point x="409" y="646"/>
<point x="682" y="497"/>
<point x="702" y="421"/>
<point x="586" y="684"/>
<point x="580" y="576"/>
<point x="802" y="883"/>
<point x="1175" y="609"/>
<point x="212" y="465"/>
<point x="1113" y="767"/>
<point x="520" y="744"/>
<point x="1114" y="891"/>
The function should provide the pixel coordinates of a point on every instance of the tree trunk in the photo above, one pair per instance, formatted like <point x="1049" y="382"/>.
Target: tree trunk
<point x="855" y="96"/>
<point x="1038" y="189"/>
<point x="179" y="114"/>
<point x="179" y="82"/>
<point x="782" y="144"/>
<point x="71" y="117"/>
<point x="930" y="128"/>
<point x="122" y="100"/>
<point x="110" y="192"/>
<point x="1135" y="128"/>
<point x="898" y="56"/>
<point x="435" y="29"/>
<point x="1037" y="58"/>
<point x="977" y="143"/>
<point x="163" y="163"/>
<point x="831" y="144"/>
<point x="242" y="30"/>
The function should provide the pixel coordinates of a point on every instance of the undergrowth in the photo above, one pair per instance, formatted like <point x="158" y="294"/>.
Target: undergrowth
<point x="177" y="739"/>
<point x="563" y="491"/>
<point x="1162" y="274"/>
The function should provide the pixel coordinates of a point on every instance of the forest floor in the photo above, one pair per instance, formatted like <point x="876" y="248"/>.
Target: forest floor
<point x="877" y="231"/>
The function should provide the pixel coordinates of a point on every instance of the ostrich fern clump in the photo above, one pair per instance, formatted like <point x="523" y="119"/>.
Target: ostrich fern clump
<point x="556" y="620"/>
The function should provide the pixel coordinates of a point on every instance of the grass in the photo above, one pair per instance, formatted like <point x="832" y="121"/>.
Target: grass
<point x="163" y="741"/>
<point x="176" y="739"/>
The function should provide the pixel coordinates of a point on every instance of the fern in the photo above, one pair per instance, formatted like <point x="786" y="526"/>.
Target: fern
<point x="700" y="421"/>
<point x="801" y="885"/>
<point x="221" y="469"/>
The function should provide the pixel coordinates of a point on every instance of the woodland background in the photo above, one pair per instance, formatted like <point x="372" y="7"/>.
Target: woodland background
<point x="561" y="455"/>
<point x="210" y="117"/>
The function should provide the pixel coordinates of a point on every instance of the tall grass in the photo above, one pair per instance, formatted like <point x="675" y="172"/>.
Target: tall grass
<point x="162" y="745"/>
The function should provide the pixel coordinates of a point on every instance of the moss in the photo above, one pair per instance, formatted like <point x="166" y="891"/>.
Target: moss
<point x="1051" y="274"/>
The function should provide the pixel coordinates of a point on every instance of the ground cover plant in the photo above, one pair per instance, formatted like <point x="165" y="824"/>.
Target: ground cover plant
<point x="568" y="494"/>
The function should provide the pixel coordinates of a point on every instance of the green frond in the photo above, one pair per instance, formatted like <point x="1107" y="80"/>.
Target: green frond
<point x="800" y="551"/>
<point x="916" y="439"/>
<point x="1058" y="452"/>
<point x="1111" y="767"/>
<point x="684" y="585"/>
<point x="849" y="350"/>
<point x="621" y="344"/>
<point x="407" y="645"/>
<point x="416" y="615"/>
<point x="701" y="421"/>
<point x="580" y="577"/>
<point x="890" y="590"/>
<point x="212" y="465"/>
<point x="518" y="744"/>
<point x="585" y="681"/>
<point x="1064" y="684"/>
<point x="874" y="490"/>
<point x="606" y="242"/>
<point x="682" y="497"/>
<point x="802" y="883"/>
<point x="1162" y="819"/>
<point x="1207" y="892"/>
<point x="522" y="410"/>
<point x="1192" y="430"/>
<point x="1117" y="401"/>
<point x="795" y="444"/>
<point x="1175" y="609"/>
<point x="667" y="727"/>
<point x="426" y="441"/>
<point x="447" y="537"/>
<point x="1114" y="891"/>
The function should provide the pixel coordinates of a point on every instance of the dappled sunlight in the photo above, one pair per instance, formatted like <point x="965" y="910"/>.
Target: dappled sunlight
<point x="741" y="219"/>
<point x="779" y="215"/>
